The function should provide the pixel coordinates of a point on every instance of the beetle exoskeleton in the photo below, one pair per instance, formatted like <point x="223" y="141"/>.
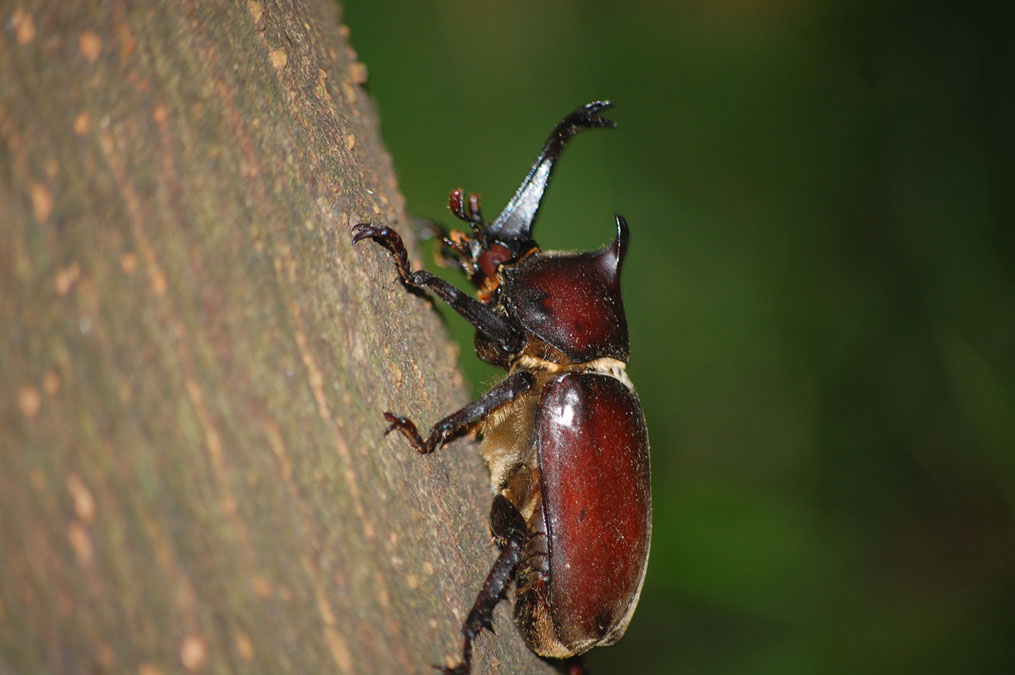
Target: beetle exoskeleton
<point x="564" y="434"/>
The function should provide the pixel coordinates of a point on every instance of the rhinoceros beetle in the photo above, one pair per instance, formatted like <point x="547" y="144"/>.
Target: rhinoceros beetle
<point x="564" y="434"/>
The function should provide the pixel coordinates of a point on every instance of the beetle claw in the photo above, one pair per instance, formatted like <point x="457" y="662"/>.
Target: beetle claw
<point x="362" y="231"/>
<point x="479" y="622"/>
<point x="381" y="233"/>
<point x="407" y="429"/>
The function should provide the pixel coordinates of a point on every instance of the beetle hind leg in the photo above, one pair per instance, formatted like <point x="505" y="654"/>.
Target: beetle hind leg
<point x="509" y="528"/>
<point x="575" y="666"/>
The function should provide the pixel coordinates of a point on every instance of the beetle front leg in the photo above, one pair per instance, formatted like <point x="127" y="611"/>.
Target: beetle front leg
<point x="505" y="392"/>
<point x="479" y="315"/>
<point x="509" y="527"/>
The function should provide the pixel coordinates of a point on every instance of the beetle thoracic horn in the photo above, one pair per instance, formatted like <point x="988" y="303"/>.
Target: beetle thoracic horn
<point x="513" y="226"/>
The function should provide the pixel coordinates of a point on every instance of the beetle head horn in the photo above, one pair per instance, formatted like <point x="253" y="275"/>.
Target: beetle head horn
<point x="513" y="226"/>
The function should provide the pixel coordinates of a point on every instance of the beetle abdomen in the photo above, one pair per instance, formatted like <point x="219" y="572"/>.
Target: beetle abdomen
<point x="596" y="506"/>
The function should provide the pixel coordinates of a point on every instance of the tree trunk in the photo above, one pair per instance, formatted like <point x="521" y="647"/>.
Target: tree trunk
<point x="195" y="359"/>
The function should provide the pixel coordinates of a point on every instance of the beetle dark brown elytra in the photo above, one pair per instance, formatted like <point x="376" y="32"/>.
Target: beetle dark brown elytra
<point x="564" y="434"/>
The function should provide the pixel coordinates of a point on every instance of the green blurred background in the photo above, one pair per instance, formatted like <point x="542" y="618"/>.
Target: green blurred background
<point x="820" y="290"/>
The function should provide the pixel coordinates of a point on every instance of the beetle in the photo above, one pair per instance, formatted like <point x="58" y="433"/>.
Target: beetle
<point x="564" y="434"/>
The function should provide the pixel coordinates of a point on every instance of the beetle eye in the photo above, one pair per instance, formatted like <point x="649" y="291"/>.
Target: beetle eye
<point x="492" y="258"/>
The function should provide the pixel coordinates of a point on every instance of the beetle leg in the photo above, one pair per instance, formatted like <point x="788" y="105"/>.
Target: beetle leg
<point x="575" y="666"/>
<point x="479" y="315"/>
<point x="505" y="392"/>
<point x="448" y="255"/>
<point x="448" y="252"/>
<point x="509" y="526"/>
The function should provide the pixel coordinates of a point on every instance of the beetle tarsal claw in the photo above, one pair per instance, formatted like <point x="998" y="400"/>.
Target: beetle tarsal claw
<point x="407" y="429"/>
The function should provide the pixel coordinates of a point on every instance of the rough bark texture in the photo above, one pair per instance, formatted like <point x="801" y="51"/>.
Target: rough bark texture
<point x="194" y="359"/>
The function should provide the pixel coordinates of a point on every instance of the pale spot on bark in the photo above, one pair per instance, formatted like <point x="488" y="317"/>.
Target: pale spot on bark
<point x="324" y="607"/>
<point x="128" y="263"/>
<point x="158" y="283"/>
<point x="84" y="503"/>
<point x="82" y="123"/>
<point x="350" y="93"/>
<point x="24" y="27"/>
<point x="412" y="581"/>
<point x="193" y="653"/>
<point x="159" y="114"/>
<point x="261" y="586"/>
<point x="107" y="657"/>
<point x="244" y="648"/>
<point x="148" y="669"/>
<point x="42" y="202"/>
<point x="51" y="382"/>
<point x="358" y="72"/>
<point x="90" y="45"/>
<point x="29" y="400"/>
<point x="127" y="41"/>
<point x="339" y="650"/>
<point x="81" y="543"/>
<point x="257" y="13"/>
<point x="382" y="592"/>
<point x="65" y="279"/>
<point x="350" y="142"/>
<point x="106" y="141"/>
<point x="279" y="58"/>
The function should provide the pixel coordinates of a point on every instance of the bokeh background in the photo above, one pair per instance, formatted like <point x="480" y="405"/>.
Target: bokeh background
<point x="820" y="290"/>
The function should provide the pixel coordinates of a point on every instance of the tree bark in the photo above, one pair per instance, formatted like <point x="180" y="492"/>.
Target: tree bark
<point x="195" y="359"/>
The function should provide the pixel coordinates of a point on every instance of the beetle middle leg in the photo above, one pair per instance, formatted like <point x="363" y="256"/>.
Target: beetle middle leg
<point x="509" y="528"/>
<point x="486" y="321"/>
<point x="508" y="390"/>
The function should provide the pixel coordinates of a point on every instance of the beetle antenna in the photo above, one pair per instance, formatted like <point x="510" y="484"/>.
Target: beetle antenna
<point x="514" y="224"/>
<point x="476" y="211"/>
<point x="468" y="211"/>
